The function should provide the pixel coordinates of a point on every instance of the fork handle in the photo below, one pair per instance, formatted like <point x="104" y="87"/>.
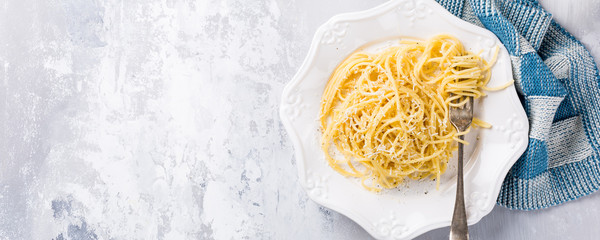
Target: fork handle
<point x="459" y="229"/>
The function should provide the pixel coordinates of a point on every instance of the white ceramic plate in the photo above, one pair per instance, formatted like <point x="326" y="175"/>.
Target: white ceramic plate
<point x="415" y="207"/>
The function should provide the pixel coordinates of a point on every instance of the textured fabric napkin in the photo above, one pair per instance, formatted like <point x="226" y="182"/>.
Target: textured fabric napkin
<point x="558" y="84"/>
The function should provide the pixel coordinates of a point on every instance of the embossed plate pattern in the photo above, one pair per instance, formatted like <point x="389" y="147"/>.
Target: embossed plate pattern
<point x="417" y="206"/>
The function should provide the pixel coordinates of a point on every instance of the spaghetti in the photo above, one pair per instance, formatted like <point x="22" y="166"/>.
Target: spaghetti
<point x="386" y="114"/>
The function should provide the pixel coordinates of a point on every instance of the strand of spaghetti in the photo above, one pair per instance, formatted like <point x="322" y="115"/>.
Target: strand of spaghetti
<point x="503" y="86"/>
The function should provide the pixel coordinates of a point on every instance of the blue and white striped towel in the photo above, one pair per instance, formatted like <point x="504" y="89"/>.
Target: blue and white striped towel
<point x="559" y="87"/>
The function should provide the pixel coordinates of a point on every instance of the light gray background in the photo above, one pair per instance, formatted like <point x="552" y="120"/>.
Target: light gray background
<point x="150" y="119"/>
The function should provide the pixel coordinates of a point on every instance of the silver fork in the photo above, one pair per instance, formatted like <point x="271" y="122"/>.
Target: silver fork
<point x="461" y="118"/>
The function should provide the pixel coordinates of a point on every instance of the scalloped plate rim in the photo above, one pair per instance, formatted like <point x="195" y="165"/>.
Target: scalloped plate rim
<point x="307" y="64"/>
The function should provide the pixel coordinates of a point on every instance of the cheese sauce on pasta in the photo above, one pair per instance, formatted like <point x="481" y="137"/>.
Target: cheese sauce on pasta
<point x="386" y="114"/>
